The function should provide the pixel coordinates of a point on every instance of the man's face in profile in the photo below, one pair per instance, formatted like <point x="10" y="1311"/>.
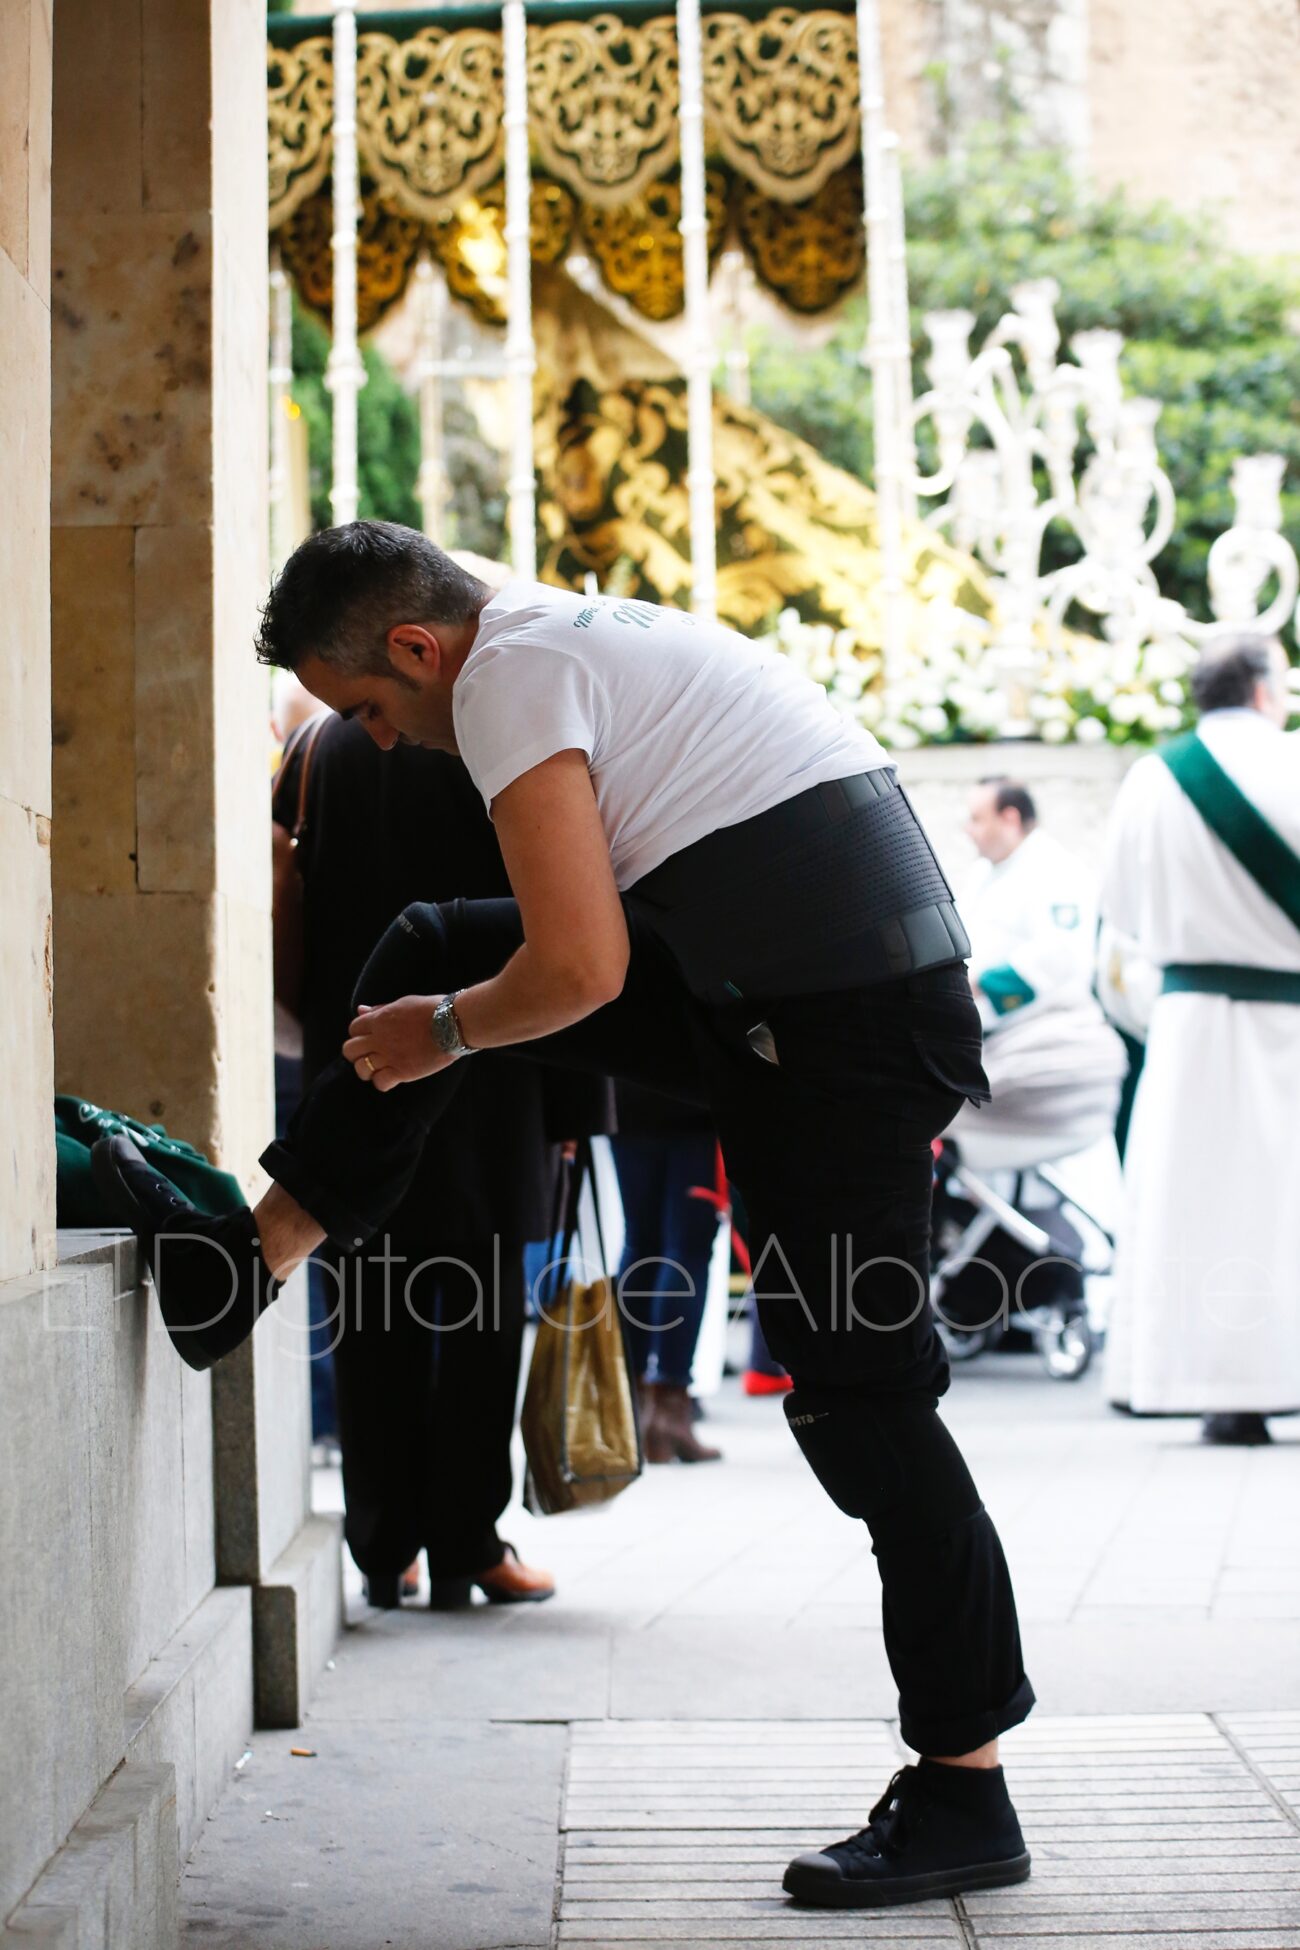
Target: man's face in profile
<point x="397" y="707"/>
<point x="994" y="835"/>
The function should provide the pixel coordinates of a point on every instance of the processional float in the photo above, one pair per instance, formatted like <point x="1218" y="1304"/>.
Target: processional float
<point x="564" y="171"/>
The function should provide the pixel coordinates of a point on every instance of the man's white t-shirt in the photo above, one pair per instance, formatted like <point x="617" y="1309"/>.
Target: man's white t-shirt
<point x="686" y="725"/>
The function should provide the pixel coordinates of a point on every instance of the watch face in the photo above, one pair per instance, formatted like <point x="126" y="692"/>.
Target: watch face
<point x="446" y="1030"/>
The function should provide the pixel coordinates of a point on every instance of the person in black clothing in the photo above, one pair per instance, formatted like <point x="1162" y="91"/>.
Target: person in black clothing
<point x="426" y="1407"/>
<point x="662" y="1153"/>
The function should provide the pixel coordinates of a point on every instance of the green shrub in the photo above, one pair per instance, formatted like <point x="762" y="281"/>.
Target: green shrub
<point x="388" y="430"/>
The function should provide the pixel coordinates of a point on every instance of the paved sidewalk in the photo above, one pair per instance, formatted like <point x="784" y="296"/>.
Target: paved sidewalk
<point x="633" y="1763"/>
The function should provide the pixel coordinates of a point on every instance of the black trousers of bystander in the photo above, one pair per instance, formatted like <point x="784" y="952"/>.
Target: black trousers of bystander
<point x="427" y="1336"/>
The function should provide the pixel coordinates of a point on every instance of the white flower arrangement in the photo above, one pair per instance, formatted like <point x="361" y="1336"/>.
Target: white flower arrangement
<point x="952" y="690"/>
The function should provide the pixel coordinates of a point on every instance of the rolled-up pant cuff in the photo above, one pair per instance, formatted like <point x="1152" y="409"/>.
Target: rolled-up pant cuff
<point x="946" y="1737"/>
<point x="346" y="1228"/>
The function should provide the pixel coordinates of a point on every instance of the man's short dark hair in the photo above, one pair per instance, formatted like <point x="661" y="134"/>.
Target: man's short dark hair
<point x="1230" y="670"/>
<point x="1010" y="796"/>
<point x="343" y="590"/>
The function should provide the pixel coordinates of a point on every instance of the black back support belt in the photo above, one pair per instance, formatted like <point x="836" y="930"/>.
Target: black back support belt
<point x="835" y="888"/>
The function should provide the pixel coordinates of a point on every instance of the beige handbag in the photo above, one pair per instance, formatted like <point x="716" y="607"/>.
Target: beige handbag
<point x="581" y="1434"/>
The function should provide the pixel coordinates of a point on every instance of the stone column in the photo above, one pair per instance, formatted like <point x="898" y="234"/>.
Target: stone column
<point x="161" y="713"/>
<point x="26" y="1076"/>
<point x="161" y="857"/>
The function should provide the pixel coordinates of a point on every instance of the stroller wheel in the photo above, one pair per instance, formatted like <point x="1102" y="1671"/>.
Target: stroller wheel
<point x="1066" y="1345"/>
<point x="963" y="1344"/>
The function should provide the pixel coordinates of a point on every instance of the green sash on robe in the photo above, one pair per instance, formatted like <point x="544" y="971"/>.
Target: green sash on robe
<point x="1257" y="847"/>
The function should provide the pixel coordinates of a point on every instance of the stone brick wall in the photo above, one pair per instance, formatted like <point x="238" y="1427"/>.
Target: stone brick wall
<point x="1196" y="101"/>
<point x="1189" y="100"/>
<point x="161" y="769"/>
<point x="26" y="1075"/>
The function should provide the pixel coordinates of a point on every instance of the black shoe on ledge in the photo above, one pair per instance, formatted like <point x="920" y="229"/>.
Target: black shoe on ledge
<point x="935" y="1831"/>
<point x="211" y="1279"/>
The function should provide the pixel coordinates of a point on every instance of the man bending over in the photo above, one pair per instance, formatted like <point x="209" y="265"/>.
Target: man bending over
<point x="720" y="891"/>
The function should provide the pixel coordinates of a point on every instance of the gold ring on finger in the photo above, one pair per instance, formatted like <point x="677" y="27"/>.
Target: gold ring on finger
<point x="369" y="1063"/>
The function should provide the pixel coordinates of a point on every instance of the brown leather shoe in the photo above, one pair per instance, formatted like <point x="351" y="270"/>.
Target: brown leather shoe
<point x="513" y="1583"/>
<point x="671" y="1435"/>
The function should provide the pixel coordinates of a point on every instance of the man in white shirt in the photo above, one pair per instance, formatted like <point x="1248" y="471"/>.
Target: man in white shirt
<point x="1030" y="905"/>
<point x="720" y="892"/>
<point x="1055" y="1067"/>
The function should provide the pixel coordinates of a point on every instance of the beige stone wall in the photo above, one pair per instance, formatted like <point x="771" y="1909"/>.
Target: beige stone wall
<point x="1189" y="100"/>
<point x="161" y="869"/>
<point x="26" y="1076"/>
<point x="1074" y="787"/>
<point x="1195" y="100"/>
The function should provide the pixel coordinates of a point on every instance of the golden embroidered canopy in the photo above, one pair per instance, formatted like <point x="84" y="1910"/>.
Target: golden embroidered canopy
<point x="784" y="179"/>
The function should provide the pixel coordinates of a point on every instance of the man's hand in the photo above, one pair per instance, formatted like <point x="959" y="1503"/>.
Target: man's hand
<point x="394" y="1044"/>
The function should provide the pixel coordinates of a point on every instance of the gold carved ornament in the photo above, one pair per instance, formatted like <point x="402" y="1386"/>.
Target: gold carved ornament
<point x="639" y="245"/>
<point x="429" y="128"/>
<point x="300" y="119"/>
<point x="807" y="254"/>
<point x="782" y="97"/>
<point x="781" y="100"/>
<point x="388" y="243"/>
<point x="602" y="104"/>
<point x="470" y="244"/>
<point x="793" y="530"/>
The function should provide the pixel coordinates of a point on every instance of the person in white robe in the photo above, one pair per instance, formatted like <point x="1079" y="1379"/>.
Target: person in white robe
<point x="1206" y="1308"/>
<point x="1054" y="1065"/>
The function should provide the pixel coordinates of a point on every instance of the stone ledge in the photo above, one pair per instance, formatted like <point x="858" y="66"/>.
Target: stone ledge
<point x="193" y="1706"/>
<point x="108" y="1246"/>
<point x="297" y="1617"/>
<point x="112" y="1886"/>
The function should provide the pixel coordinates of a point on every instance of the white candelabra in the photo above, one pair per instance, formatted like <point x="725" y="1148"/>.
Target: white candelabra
<point x="1059" y="443"/>
<point x="694" y="228"/>
<point x="434" y="365"/>
<point x="280" y="375"/>
<point x="345" y="373"/>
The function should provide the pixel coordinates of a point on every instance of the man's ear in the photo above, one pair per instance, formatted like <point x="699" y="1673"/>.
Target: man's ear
<point x="413" y="651"/>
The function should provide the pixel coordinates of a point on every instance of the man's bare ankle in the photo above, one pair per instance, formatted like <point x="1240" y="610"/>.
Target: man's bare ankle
<point x="286" y="1234"/>
<point x="985" y="1756"/>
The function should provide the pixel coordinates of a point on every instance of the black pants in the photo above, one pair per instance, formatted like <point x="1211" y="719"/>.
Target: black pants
<point x="830" y="1148"/>
<point x="427" y="1337"/>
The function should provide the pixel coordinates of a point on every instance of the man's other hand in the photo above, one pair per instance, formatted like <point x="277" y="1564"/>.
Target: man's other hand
<point x="394" y="1044"/>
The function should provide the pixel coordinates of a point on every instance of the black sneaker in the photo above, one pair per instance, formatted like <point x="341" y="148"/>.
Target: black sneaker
<point x="211" y="1279"/>
<point x="930" y="1834"/>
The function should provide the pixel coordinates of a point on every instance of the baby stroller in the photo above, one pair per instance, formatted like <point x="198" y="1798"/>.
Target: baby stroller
<point x="1020" y="1188"/>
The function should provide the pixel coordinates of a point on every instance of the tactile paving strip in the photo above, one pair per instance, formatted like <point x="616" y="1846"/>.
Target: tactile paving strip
<point x="1168" y="1831"/>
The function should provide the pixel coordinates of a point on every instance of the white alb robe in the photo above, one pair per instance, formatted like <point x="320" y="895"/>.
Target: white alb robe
<point x="1206" y="1307"/>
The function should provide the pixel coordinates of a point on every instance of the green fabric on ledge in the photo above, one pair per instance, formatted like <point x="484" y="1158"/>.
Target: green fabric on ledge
<point x="77" y="1126"/>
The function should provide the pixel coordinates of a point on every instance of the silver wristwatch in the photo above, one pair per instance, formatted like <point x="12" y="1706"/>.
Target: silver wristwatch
<point x="445" y="1028"/>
